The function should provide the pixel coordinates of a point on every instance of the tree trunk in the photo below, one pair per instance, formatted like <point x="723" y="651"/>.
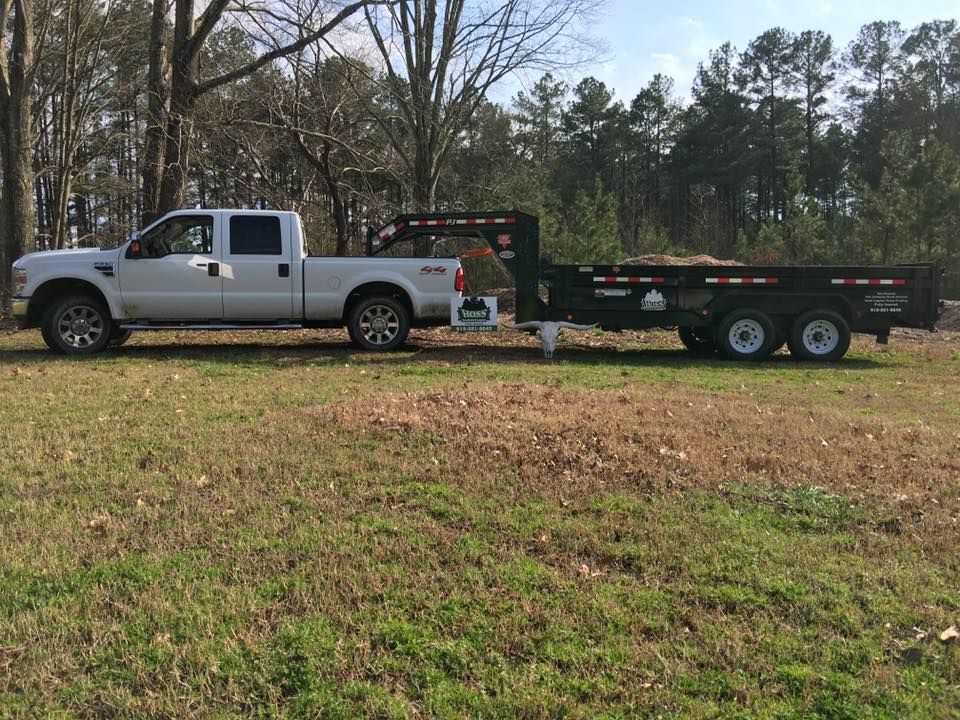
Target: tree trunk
<point x="176" y="155"/>
<point x="337" y="206"/>
<point x="424" y="196"/>
<point x="16" y="123"/>
<point x="18" y="210"/>
<point x="83" y="216"/>
<point x="61" y="215"/>
<point x="158" y="99"/>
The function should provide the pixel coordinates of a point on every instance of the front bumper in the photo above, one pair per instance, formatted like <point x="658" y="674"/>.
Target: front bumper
<point x="19" y="307"/>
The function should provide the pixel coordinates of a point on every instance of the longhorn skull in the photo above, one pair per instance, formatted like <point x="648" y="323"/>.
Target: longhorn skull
<point x="549" y="331"/>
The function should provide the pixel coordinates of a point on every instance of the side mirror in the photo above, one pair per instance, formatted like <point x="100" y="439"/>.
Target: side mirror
<point x="135" y="250"/>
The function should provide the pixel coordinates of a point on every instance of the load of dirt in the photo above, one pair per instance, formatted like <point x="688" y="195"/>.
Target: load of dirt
<point x="949" y="316"/>
<point x="672" y="260"/>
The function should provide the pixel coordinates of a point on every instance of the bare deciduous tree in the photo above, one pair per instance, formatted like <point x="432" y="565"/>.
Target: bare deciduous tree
<point x="174" y="92"/>
<point x="81" y="94"/>
<point x="441" y="57"/>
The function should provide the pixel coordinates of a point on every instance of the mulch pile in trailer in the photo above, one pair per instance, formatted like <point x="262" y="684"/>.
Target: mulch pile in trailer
<point x="672" y="260"/>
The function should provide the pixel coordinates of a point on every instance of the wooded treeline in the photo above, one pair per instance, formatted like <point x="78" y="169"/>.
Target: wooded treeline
<point x="790" y="150"/>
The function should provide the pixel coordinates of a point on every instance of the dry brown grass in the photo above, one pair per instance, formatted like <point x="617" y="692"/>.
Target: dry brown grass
<point x="633" y="440"/>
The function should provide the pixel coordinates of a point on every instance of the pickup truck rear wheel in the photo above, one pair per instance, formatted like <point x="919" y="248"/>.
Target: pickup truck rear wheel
<point x="747" y="335"/>
<point x="820" y="335"/>
<point x="76" y="325"/>
<point x="379" y="323"/>
<point x="698" y="340"/>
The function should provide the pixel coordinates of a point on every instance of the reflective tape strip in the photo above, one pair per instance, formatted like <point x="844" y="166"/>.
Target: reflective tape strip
<point x="487" y="221"/>
<point x="627" y="279"/>
<point x="868" y="281"/>
<point x="742" y="280"/>
<point x="393" y="229"/>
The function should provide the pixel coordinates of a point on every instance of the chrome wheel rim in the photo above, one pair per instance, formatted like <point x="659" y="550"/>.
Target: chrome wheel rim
<point x="821" y="337"/>
<point x="746" y="336"/>
<point x="379" y="324"/>
<point x="80" y="326"/>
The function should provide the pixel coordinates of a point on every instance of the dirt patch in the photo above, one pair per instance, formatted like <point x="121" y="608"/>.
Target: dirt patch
<point x="673" y="260"/>
<point x="950" y="316"/>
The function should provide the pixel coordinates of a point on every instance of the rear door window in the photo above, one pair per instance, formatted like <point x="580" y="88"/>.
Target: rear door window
<point x="255" y="235"/>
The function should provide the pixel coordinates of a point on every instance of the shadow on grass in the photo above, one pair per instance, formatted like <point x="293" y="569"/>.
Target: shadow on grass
<point x="326" y="352"/>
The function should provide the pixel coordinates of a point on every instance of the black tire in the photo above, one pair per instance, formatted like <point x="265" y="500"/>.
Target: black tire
<point x="118" y="337"/>
<point x="821" y="335"/>
<point x="746" y="335"/>
<point x="698" y="340"/>
<point x="76" y="325"/>
<point x="370" y="314"/>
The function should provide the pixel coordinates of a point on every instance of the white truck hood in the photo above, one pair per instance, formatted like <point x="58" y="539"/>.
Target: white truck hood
<point x="62" y="258"/>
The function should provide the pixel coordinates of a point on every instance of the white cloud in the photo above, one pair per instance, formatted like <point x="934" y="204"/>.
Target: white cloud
<point x="667" y="63"/>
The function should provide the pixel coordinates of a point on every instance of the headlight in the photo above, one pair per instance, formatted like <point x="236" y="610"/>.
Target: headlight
<point x="19" y="280"/>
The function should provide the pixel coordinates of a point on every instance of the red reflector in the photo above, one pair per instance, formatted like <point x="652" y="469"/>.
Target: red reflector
<point x="458" y="280"/>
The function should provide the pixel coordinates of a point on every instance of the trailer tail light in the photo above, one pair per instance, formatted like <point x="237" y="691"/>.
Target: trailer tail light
<point x="458" y="280"/>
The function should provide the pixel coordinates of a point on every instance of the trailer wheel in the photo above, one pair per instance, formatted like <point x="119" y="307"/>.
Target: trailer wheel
<point x="378" y="323"/>
<point x="697" y="340"/>
<point x="820" y="335"/>
<point x="746" y="335"/>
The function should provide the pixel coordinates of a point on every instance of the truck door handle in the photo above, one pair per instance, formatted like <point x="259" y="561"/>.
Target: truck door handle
<point x="283" y="269"/>
<point x="213" y="269"/>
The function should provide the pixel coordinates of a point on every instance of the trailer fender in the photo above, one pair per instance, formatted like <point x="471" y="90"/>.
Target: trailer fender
<point x="781" y="307"/>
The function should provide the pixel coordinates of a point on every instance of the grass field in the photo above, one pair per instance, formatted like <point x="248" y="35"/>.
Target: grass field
<point x="292" y="529"/>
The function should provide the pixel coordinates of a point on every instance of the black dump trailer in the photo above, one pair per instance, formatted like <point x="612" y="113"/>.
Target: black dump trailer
<point x="744" y="312"/>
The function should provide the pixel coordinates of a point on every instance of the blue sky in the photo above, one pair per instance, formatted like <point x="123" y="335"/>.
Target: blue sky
<point x="672" y="37"/>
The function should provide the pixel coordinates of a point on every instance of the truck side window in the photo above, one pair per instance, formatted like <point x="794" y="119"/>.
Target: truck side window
<point x="255" y="235"/>
<point x="180" y="235"/>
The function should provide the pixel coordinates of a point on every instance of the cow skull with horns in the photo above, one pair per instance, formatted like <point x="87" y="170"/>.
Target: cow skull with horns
<point x="549" y="332"/>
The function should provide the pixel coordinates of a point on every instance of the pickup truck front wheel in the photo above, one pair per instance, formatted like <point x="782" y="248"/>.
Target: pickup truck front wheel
<point x="378" y="323"/>
<point x="76" y="325"/>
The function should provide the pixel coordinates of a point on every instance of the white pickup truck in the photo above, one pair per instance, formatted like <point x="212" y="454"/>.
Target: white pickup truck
<point x="226" y="269"/>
